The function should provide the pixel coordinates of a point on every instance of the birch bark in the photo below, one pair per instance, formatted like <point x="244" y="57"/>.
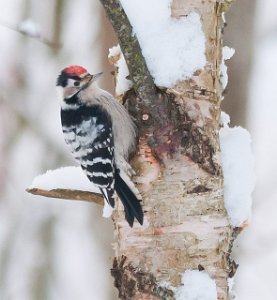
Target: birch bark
<point x="179" y="175"/>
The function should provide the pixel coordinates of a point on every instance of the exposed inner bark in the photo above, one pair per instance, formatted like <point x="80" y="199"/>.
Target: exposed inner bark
<point x="170" y="127"/>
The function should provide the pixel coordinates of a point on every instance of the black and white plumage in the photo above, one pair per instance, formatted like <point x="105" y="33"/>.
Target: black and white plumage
<point x="100" y="134"/>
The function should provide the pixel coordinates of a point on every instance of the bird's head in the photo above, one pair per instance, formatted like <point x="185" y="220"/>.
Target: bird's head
<point x="73" y="79"/>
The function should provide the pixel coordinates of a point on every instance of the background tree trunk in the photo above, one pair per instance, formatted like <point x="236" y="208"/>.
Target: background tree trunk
<point x="180" y="177"/>
<point x="239" y="34"/>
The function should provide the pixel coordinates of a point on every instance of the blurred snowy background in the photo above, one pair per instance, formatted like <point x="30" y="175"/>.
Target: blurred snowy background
<point x="53" y="249"/>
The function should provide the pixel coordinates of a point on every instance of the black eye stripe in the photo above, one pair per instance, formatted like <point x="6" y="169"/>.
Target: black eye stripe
<point x="62" y="79"/>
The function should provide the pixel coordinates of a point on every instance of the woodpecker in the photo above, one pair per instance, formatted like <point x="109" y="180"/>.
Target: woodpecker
<point x="100" y="134"/>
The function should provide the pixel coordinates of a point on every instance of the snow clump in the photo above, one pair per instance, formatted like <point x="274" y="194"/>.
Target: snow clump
<point x="173" y="48"/>
<point x="196" y="286"/>
<point x="238" y="171"/>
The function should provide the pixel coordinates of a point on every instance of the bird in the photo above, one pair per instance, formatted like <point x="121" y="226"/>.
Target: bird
<point x="100" y="134"/>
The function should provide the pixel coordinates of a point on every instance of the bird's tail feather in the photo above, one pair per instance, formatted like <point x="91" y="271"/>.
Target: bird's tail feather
<point x="130" y="202"/>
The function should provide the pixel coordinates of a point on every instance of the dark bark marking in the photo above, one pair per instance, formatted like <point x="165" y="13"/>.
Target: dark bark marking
<point x="199" y="189"/>
<point x="169" y="130"/>
<point x="130" y="280"/>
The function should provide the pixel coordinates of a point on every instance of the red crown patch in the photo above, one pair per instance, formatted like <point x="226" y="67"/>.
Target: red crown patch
<point x="75" y="71"/>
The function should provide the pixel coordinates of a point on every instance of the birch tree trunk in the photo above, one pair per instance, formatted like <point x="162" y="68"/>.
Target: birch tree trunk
<point x="178" y="173"/>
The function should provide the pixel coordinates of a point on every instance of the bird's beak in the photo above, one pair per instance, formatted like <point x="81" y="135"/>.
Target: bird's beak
<point x="88" y="79"/>
<point x="96" y="76"/>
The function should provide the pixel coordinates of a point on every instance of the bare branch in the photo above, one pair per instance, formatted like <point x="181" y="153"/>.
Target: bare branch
<point x="68" y="195"/>
<point x="36" y="36"/>
<point x="139" y="73"/>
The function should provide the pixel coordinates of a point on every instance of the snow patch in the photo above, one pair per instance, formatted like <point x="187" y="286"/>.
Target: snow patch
<point x="72" y="178"/>
<point x="232" y="294"/>
<point x="122" y="83"/>
<point x="165" y="284"/>
<point x="196" y="286"/>
<point x="238" y="170"/>
<point x="224" y="119"/>
<point x="227" y="53"/>
<point x="114" y="51"/>
<point x="173" y="48"/>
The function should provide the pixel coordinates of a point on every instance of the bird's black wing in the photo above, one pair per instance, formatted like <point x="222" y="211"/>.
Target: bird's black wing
<point x="88" y="132"/>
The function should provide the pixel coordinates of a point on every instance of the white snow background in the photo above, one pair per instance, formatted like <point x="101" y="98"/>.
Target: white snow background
<point x="49" y="249"/>
<point x="64" y="247"/>
<point x="256" y="248"/>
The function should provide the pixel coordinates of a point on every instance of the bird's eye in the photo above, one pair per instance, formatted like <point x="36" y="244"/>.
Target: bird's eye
<point x="76" y="83"/>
